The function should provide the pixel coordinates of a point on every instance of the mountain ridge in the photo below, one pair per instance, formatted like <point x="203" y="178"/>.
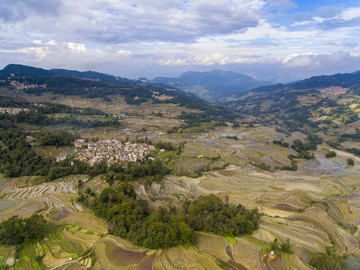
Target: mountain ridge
<point x="348" y="80"/>
<point x="36" y="81"/>
<point x="211" y="85"/>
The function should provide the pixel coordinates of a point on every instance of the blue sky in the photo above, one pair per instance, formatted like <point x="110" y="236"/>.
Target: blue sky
<point x="276" y="40"/>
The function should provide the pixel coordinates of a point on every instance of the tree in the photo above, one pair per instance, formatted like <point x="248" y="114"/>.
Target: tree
<point x="275" y="246"/>
<point x="330" y="154"/>
<point x="286" y="247"/>
<point x="350" y="162"/>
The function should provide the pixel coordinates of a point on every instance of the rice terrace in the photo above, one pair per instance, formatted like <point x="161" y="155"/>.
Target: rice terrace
<point x="102" y="172"/>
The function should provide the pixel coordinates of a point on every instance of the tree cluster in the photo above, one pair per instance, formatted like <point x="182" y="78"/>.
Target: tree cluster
<point x="350" y="162"/>
<point x="169" y="146"/>
<point x="232" y="138"/>
<point x="281" y="143"/>
<point x="36" y="117"/>
<point x="17" y="158"/>
<point x="330" y="154"/>
<point x="353" y="150"/>
<point x="302" y="148"/>
<point x="284" y="247"/>
<point x="16" y="230"/>
<point x="211" y="214"/>
<point x="354" y="136"/>
<point x="43" y="115"/>
<point x="151" y="171"/>
<point x="131" y="218"/>
<point x="326" y="261"/>
<point x="61" y="138"/>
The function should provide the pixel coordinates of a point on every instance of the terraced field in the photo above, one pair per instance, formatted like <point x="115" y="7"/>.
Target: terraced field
<point x="305" y="209"/>
<point x="6" y="256"/>
<point x="314" y="207"/>
<point x="23" y="181"/>
<point x="64" y="247"/>
<point x="22" y="196"/>
<point x="115" y="253"/>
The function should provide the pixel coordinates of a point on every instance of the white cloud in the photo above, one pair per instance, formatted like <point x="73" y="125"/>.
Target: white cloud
<point x="299" y="61"/>
<point x="350" y="13"/>
<point x="18" y="10"/>
<point x="175" y="33"/>
<point x="107" y="21"/>
<point x="315" y="62"/>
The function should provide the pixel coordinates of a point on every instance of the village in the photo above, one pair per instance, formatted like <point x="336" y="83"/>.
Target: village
<point x="13" y="111"/>
<point x="20" y="86"/>
<point x="162" y="97"/>
<point x="111" y="151"/>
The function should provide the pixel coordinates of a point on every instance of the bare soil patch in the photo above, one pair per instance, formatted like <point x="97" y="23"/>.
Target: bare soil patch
<point x="60" y="213"/>
<point x="227" y="173"/>
<point x="121" y="257"/>
<point x="147" y="263"/>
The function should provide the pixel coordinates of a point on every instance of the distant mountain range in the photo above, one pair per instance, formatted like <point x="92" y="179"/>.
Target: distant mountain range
<point x="22" y="70"/>
<point x="345" y="80"/>
<point x="313" y="104"/>
<point x="319" y="103"/>
<point x="335" y="85"/>
<point x="212" y="86"/>
<point x="89" y="84"/>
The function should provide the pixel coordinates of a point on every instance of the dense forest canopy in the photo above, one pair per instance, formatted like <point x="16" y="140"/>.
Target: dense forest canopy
<point x="131" y="218"/>
<point x="17" y="230"/>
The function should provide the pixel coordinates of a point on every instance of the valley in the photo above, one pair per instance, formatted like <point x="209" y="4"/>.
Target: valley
<point x="252" y="158"/>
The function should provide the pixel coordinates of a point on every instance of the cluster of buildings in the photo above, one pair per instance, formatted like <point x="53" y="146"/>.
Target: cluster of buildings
<point x="62" y="156"/>
<point x="19" y="86"/>
<point x="112" y="151"/>
<point x="13" y="110"/>
<point x="162" y="97"/>
<point x="334" y="90"/>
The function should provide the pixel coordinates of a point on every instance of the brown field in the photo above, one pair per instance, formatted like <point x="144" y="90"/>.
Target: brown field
<point x="183" y="258"/>
<point x="121" y="257"/>
<point x="116" y="253"/>
<point x="213" y="245"/>
<point x="247" y="253"/>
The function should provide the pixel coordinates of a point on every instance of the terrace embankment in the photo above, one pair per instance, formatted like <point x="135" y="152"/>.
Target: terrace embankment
<point x="307" y="209"/>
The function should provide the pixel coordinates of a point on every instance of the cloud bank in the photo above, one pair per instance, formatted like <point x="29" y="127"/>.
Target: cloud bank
<point x="273" y="38"/>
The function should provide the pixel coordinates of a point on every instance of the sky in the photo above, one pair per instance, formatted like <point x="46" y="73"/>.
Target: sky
<point x="272" y="40"/>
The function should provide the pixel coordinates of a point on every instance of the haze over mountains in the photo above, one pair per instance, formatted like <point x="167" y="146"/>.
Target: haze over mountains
<point x="213" y="85"/>
<point x="210" y="86"/>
